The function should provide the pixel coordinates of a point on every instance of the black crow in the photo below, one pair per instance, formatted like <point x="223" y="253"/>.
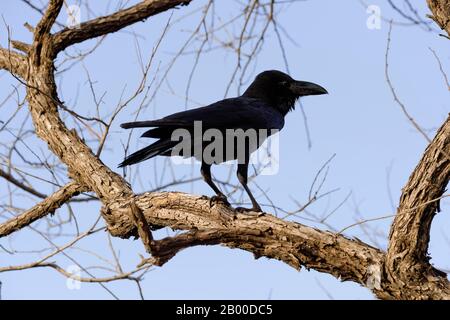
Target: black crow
<point x="262" y="107"/>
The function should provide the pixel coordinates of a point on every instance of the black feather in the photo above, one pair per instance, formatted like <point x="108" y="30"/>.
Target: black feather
<point x="157" y="148"/>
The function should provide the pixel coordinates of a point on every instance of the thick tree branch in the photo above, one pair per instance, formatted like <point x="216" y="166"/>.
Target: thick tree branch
<point x="43" y="102"/>
<point x="42" y="30"/>
<point x="410" y="232"/>
<point x="47" y="206"/>
<point x="48" y="19"/>
<point x="427" y="182"/>
<point x="266" y="235"/>
<point x="112" y="23"/>
<point x="13" y="62"/>
<point x="441" y="13"/>
<point x="84" y="167"/>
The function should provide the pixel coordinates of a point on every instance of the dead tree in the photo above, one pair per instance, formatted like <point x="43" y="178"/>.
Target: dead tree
<point x="402" y="272"/>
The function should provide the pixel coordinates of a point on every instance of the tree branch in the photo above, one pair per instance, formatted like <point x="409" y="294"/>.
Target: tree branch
<point x="266" y="235"/>
<point x="405" y="274"/>
<point x="112" y="23"/>
<point x="42" y="30"/>
<point x="49" y="205"/>
<point x="13" y="62"/>
<point x="441" y="13"/>
<point x="410" y="232"/>
<point x="84" y="167"/>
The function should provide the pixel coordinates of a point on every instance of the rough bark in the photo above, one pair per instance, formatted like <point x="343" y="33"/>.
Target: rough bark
<point x="407" y="256"/>
<point x="43" y="102"/>
<point x="112" y="23"/>
<point x="263" y="235"/>
<point x="40" y="210"/>
<point x="13" y="62"/>
<point x="441" y="13"/>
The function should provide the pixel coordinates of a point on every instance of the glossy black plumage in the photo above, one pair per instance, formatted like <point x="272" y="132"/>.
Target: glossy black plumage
<point x="262" y="106"/>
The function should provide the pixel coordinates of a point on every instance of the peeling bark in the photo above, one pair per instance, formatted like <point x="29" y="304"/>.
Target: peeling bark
<point x="407" y="256"/>
<point x="13" y="62"/>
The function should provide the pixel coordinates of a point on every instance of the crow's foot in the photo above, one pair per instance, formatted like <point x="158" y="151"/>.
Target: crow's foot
<point x="219" y="198"/>
<point x="247" y="210"/>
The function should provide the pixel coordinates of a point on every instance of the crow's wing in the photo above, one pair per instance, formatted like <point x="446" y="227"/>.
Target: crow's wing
<point x="242" y="112"/>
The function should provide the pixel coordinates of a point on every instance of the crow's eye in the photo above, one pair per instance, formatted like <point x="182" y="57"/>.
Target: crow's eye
<point x="284" y="84"/>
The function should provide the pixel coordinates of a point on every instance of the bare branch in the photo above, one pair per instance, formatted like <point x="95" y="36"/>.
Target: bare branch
<point x="441" y="13"/>
<point x="49" y="205"/>
<point x="114" y="22"/>
<point x="266" y="235"/>
<point x="410" y="232"/>
<point x="394" y="94"/>
<point x="13" y="62"/>
<point x="44" y="26"/>
<point x="441" y="69"/>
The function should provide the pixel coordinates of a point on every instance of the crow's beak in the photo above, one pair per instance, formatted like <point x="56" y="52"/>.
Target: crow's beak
<point x="303" y="88"/>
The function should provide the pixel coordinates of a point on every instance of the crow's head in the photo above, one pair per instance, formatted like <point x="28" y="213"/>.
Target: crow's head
<point x="280" y="90"/>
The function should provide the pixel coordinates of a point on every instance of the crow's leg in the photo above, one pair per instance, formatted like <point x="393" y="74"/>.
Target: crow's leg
<point x="242" y="176"/>
<point x="206" y="174"/>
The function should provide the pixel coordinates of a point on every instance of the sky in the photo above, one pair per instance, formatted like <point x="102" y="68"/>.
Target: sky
<point x="375" y="146"/>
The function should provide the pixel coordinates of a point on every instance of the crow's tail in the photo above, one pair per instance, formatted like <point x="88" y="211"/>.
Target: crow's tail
<point x="157" y="148"/>
<point x="155" y="123"/>
<point x="138" y="124"/>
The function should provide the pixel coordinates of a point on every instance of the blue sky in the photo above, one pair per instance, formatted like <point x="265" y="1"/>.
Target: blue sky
<point x="358" y="121"/>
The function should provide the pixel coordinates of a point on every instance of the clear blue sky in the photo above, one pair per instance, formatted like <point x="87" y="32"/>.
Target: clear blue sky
<point x="358" y="120"/>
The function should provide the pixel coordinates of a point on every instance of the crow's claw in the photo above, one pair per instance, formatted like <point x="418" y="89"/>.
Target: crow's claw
<point x="219" y="198"/>
<point x="245" y="210"/>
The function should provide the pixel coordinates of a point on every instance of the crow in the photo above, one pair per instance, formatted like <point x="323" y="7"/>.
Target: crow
<point x="263" y="106"/>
